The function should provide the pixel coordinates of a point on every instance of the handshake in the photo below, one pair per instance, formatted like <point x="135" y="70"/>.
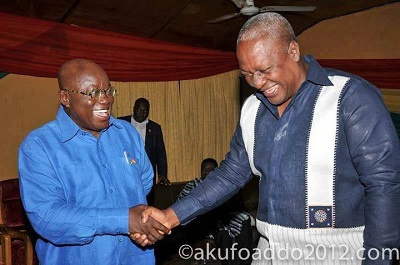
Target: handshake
<point x="148" y="224"/>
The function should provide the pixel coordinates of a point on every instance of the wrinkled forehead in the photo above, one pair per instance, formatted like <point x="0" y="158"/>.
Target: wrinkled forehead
<point x="262" y="44"/>
<point x="91" y="81"/>
<point x="258" y="53"/>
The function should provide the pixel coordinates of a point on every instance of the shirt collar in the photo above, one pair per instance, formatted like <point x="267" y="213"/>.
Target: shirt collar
<point x="140" y="123"/>
<point x="69" y="128"/>
<point x="316" y="73"/>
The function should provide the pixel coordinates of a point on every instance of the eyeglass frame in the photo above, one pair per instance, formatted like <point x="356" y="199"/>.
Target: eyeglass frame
<point x="91" y="94"/>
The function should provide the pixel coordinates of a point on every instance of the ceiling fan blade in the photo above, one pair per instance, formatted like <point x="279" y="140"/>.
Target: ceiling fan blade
<point x="239" y="3"/>
<point x="224" y="18"/>
<point x="287" y="8"/>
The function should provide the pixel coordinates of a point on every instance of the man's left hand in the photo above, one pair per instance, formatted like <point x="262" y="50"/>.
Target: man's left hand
<point x="163" y="180"/>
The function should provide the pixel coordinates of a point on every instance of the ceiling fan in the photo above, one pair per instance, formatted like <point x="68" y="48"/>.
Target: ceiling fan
<point x="247" y="8"/>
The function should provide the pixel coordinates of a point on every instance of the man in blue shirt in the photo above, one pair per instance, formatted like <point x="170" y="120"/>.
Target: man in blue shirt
<point x="84" y="177"/>
<point x="325" y="148"/>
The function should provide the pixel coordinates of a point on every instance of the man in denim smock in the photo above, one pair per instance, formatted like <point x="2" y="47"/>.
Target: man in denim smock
<point x="326" y="150"/>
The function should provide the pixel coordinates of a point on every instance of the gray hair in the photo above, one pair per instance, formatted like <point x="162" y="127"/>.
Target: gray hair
<point x="270" y="24"/>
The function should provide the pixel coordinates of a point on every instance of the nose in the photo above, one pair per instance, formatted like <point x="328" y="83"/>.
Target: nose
<point x="103" y="98"/>
<point x="257" y="80"/>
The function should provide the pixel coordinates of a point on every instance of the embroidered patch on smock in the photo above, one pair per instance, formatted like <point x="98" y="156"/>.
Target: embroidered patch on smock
<point x="320" y="216"/>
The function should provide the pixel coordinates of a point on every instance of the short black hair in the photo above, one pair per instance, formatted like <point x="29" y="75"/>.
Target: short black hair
<point x="142" y="101"/>
<point x="209" y="160"/>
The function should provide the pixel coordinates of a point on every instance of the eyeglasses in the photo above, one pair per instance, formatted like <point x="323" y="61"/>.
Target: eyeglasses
<point x="96" y="93"/>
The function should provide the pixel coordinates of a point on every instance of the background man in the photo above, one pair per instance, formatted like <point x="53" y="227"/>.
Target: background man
<point x="325" y="148"/>
<point x="84" y="177"/>
<point x="152" y="136"/>
<point x="207" y="165"/>
<point x="227" y="224"/>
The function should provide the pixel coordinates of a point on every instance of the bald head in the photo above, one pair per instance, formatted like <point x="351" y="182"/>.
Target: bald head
<point x="270" y="25"/>
<point x="72" y="71"/>
<point x="77" y="80"/>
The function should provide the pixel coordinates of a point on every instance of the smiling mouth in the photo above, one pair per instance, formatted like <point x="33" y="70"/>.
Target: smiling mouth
<point x="271" y="90"/>
<point x="104" y="113"/>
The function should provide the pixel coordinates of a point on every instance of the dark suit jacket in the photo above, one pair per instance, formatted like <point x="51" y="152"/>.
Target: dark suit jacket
<point x="154" y="145"/>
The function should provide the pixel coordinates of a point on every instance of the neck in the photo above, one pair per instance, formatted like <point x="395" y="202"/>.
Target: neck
<point x="281" y="108"/>
<point x="303" y="72"/>
<point x="302" y="76"/>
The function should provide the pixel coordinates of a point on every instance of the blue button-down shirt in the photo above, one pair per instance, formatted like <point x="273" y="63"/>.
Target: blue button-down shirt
<point x="77" y="191"/>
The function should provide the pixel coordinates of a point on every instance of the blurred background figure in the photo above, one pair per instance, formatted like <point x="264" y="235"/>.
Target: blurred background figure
<point x="153" y="139"/>
<point x="226" y="225"/>
<point x="207" y="165"/>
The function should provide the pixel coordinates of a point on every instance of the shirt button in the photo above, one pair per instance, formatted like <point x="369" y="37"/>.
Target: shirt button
<point x="120" y="239"/>
<point x="111" y="190"/>
<point x="104" y="166"/>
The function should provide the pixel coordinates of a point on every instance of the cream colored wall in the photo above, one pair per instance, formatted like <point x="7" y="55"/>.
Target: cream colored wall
<point x="371" y="34"/>
<point x="198" y="116"/>
<point x="26" y="103"/>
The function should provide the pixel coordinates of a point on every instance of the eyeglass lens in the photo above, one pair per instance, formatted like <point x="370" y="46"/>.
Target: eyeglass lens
<point x="96" y="93"/>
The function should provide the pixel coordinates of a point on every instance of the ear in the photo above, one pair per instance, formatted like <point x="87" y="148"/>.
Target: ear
<point x="64" y="98"/>
<point x="294" y="51"/>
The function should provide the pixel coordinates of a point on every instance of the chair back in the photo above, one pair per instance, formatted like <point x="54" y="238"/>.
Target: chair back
<point x="165" y="195"/>
<point x="12" y="213"/>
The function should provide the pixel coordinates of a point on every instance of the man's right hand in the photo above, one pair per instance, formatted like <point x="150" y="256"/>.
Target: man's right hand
<point x="149" y="231"/>
<point x="166" y="217"/>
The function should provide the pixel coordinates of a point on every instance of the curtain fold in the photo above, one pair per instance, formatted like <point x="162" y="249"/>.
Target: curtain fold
<point x="37" y="47"/>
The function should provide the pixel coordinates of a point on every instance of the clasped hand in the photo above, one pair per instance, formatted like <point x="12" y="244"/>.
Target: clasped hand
<point x="148" y="224"/>
<point x="145" y="231"/>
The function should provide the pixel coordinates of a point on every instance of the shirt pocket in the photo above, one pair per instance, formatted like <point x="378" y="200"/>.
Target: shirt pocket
<point x="130" y="174"/>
